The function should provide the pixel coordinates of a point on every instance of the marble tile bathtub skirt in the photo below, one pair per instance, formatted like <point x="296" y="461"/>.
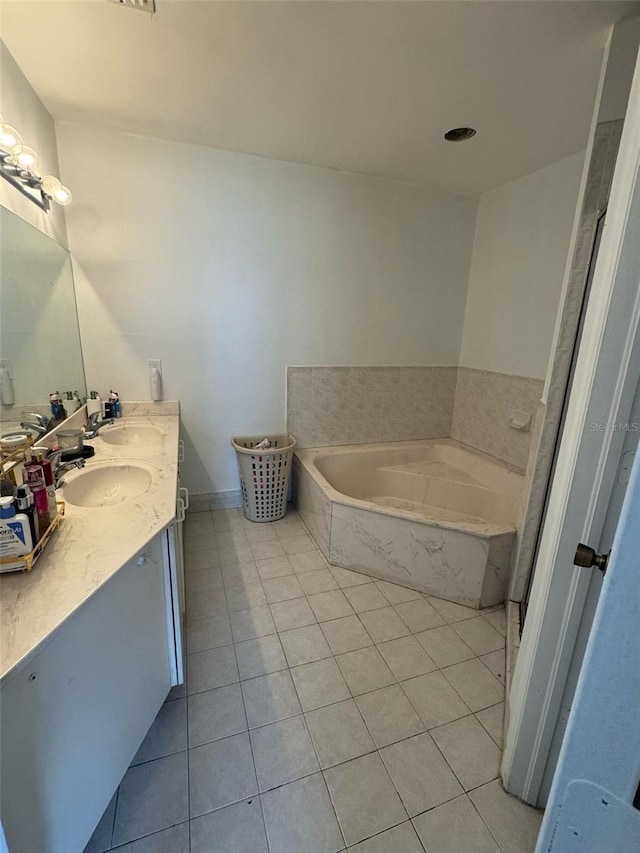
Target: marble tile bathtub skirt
<point x="354" y="405"/>
<point x="459" y="567"/>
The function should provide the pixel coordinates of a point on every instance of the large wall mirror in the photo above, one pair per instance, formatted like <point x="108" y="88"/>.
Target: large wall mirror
<point x="39" y="333"/>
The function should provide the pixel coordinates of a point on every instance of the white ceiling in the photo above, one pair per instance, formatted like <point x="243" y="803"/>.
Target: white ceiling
<point x="367" y="87"/>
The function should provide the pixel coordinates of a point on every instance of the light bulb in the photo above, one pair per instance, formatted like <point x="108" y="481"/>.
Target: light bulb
<point x="50" y="185"/>
<point x="9" y="137"/>
<point x="62" y="196"/>
<point x="25" y="158"/>
<point x="54" y="189"/>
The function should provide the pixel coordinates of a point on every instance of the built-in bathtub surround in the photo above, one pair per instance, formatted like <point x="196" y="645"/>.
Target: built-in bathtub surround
<point x="329" y="406"/>
<point x="483" y="405"/>
<point x="356" y="405"/>
<point x="429" y="515"/>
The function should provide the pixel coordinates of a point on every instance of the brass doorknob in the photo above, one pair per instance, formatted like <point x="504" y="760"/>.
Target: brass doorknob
<point x="586" y="557"/>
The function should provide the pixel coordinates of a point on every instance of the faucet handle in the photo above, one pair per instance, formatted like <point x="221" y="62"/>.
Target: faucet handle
<point x="37" y="418"/>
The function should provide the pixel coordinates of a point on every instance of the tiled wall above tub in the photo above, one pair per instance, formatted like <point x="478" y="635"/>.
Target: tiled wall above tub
<point x="483" y="405"/>
<point x="356" y="405"/>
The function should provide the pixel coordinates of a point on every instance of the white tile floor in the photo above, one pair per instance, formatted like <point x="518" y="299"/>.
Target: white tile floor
<point x="323" y="712"/>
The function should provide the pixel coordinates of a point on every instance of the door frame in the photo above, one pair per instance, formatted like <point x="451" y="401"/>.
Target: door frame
<point x="606" y="376"/>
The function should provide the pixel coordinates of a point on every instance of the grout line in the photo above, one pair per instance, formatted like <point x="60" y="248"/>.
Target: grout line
<point x="186" y="690"/>
<point x="253" y="758"/>
<point x="483" y="820"/>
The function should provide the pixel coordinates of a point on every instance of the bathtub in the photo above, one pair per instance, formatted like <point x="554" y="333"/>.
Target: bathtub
<point x="432" y="515"/>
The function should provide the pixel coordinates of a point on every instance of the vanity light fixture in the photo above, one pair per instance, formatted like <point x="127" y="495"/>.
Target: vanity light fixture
<point x="19" y="166"/>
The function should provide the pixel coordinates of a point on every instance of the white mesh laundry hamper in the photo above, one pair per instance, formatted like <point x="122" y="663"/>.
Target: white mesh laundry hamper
<point x="264" y="475"/>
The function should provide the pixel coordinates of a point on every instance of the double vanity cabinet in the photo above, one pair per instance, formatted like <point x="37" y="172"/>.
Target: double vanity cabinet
<point x="91" y="639"/>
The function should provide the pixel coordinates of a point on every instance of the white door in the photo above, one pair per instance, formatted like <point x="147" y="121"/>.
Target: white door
<point x="594" y="804"/>
<point x="606" y="378"/>
<point x="631" y="432"/>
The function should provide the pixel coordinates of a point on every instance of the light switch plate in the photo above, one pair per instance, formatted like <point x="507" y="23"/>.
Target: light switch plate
<point x="155" y="362"/>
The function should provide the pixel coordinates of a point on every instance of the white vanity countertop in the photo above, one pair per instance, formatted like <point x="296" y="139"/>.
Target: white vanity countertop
<point x="90" y="546"/>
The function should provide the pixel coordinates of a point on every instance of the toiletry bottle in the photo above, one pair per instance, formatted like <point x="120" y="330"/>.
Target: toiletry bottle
<point x="58" y="411"/>
<point x="15" y="535"/>
<point x="56" y="405"/>
<point x="155" y="383"/>
<point x="26" y="505"/>
<point x="7" y="488"/>
<point x="40" y="457"/>
<point x="7" y="395"/>
<point x="114" y="399"/>
<point x="35" y="480"/>
<point x="94" y="404"/>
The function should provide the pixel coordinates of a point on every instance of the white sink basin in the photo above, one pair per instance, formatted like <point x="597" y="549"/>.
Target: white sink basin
<point x="109" y="484"/>
<point x="129" y="434"/>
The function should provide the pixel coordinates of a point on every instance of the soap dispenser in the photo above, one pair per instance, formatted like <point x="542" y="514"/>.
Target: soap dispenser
<point x="94" y="404"/>
<point x="7" y="395"/>
<point x="155" y="382"/>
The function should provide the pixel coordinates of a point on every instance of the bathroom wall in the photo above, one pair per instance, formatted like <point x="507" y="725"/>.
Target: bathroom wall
<point x="24" y="110"/>
<point x="522" y="238"/>
<point x="520" y="251"/>
<point x="230" y="267"/>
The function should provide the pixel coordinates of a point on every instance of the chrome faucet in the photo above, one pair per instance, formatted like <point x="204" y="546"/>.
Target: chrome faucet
<point x="38" y="428"/>
<point x="35" y="422"/>
<point x="95" y="424"/>
<point x="59" y="467"/>
<point x="36" y="417"/>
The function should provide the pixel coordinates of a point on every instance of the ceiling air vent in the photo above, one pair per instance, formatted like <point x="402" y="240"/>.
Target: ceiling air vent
<point x="143" y="5"/>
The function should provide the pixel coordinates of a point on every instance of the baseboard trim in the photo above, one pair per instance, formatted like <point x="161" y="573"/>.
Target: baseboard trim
<point x="215" y="500"/>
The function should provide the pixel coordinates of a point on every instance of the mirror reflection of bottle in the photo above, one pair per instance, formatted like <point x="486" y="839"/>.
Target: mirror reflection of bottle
<point x="55" y="400"/>
<point x="112" y="405"/>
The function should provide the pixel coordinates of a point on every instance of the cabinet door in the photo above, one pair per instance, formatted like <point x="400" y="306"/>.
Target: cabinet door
<point x="73" y="718"/>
